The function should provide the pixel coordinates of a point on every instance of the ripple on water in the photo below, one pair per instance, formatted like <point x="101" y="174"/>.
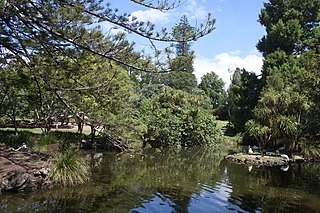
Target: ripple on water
<point x="213" y="199"/>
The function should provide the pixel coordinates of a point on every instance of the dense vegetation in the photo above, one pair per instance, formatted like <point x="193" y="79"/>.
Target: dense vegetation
<point x="56" y="60"/>
<point x="281" y="108"/>
<point x="57" y="63"/>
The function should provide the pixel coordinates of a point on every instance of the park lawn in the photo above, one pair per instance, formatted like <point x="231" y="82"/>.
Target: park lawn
<point x="39" y="130"/>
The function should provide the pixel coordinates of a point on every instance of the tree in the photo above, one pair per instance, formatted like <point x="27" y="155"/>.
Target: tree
<point x="181" y="67"/>
<point x="57" y="27"/>
<point x="243" y="93"/>
<point x="183" y="32"/>
<point x="185" y="81"/>
<point x="279" y="118"/>
<point x="213" y="86"/>
<point x="282" y="114"/>
<point x="53" y="40"/>
<point x="13" y="94"/>
<point x="309" y="81"/>
<point x="292" y="26"/>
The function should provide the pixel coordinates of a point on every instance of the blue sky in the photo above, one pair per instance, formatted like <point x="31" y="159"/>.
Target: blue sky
<point x="232" y="44"/>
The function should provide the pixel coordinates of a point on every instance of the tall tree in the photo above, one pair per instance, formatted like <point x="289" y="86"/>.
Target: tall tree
<point x="183" y="31"/>
<point x="213" y="86"/>
<point x="292" y="26"/>
<point x="181" y="66"/>
<point x="244" y="93"/>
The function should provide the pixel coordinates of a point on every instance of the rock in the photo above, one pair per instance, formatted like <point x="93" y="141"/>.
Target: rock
<point x="22" y="171"/>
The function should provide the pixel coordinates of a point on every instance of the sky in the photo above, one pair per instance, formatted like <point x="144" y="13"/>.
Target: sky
<point x="232" y="44"/>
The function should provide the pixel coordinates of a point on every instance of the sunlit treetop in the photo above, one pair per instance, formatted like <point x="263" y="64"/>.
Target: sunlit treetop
<point x="58" y="27"/>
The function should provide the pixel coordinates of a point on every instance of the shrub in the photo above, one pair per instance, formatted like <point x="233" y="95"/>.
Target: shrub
<point x="178" y="119"/>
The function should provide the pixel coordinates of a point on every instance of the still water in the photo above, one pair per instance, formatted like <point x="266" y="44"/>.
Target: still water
<point x="191" y="180"/>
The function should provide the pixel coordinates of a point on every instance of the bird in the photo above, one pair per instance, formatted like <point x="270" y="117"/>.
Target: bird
<point x="285" y="156"/>
<point x="22" y="148"/>
<point x="285" y="168"/>
<point x="250" y="150"/>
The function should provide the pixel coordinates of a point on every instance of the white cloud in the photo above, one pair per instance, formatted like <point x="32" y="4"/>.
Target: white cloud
<point x="194" y="10"/>
<point x="151" y="15"/>
<point x="223" y="63"/>
<point x="109" y="28"/>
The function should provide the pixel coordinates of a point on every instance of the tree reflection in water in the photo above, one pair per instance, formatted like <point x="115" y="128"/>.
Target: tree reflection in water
<point x="187" y="180"/>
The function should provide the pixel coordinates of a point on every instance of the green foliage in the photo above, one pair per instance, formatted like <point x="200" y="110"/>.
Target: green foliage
<point x="10" y="138"/>
<point x="176" y="119"/>
<point x="284" y="113"/>
<point x="59" y="63"/>
<point x="213" y="86"/>
<point x="69" y="168"/>
<point x="181" y="80"/>
<point x="181" y="67"/>
<point x="311" y="151"/>
<point x="292" y="26"/>
<point x="280" y="115"/>
<point x="243" y="97"/>
<point x="309" y="81"/>
<point x="183" y="32"/>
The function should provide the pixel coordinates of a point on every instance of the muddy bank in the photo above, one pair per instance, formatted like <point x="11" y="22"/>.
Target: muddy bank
<point x="23" y="171"/>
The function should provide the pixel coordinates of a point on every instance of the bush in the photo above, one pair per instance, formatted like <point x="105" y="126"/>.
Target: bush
<point x="178" y="119"/>
<point x="310" y="151"/>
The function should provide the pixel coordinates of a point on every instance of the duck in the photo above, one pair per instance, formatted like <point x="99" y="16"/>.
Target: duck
<point x="250" y="151"/>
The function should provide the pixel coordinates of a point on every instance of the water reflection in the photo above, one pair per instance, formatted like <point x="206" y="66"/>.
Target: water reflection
<point x="191" y="180"/>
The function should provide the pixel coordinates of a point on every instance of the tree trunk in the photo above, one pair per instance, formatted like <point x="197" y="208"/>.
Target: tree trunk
<point x="15" y="120"/>
<point x="93" y="133"/>
<point x="80" y="128"/>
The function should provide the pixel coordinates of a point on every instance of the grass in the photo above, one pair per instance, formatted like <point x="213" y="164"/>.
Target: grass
<point x="228" y="140"/>
<point x="39" y="130"/>
<point x="69" y="168"/>
<point x="33" y="130"/>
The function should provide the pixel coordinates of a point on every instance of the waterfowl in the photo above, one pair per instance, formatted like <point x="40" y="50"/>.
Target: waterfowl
<point x="285" y="156"/>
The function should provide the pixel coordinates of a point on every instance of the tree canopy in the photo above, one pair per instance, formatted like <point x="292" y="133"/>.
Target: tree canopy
<point x="285" y="110"/>
<point x="60" y="27"/>
<point x="57" y="60"/>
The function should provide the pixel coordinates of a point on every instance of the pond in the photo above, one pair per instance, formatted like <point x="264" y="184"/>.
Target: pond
<point x="190" y="180"/>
